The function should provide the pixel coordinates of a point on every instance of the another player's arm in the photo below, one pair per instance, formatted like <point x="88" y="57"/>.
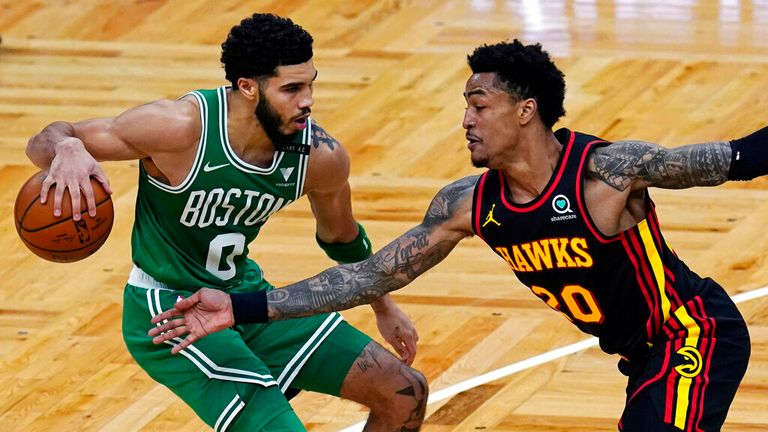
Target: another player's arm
<point x="636" y="165"/>
<point x="70" y="151"/>
<point x="447" y="221"/>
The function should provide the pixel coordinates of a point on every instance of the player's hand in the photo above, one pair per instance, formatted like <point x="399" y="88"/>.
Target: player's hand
<point x="204" y="312"/>
<point x="396" y="328"/>
<point x="72" y="169"/>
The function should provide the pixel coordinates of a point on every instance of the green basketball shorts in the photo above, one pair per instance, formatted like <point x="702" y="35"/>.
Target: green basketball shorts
<point x="235" y="379"/>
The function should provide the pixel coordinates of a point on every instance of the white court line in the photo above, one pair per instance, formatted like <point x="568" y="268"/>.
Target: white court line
<point x="535" y="361"/>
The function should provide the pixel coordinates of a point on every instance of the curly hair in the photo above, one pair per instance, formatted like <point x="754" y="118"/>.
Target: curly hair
<point x="261" y="43"/>
<point x="527" y="72"/>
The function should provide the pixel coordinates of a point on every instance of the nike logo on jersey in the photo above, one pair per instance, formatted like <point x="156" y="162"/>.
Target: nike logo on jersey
<point x="208" y="167"/>
<point x="286" y="172"/>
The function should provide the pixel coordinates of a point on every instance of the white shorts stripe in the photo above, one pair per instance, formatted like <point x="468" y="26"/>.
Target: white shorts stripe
<point x="228" y="414"/>
<point x="298" y="367"/>
<point x="205" y="364"/>
<point x="235" y="412"/>
<point x="299" y="359"/>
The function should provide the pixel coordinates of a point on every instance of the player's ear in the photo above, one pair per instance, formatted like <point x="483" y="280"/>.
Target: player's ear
<point x="528" y="108"/>
<point x="249" y="88"/>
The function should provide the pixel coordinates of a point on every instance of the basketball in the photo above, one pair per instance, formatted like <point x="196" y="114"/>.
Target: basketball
<point x="61" y="239"/>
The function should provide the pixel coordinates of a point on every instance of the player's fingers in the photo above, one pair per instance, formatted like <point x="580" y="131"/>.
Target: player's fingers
<point x="398" y="346"/>
<point x="172" y="333"/>
<point x="404" y="353"/>
<point x="47" y="183"/>
<point x="410" y="346"/>
<point x="185" y="343"/>
<point x="187" y="303"/>
<point x="58" y="196"/>
<point x="90" y="200"/>
<point x="74" y="195"/>
<point x="98" y="173"/>
<point x="169" y="329"/>
<point x="167" y="315"/>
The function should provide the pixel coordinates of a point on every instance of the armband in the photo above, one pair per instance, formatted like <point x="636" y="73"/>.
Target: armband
<point x="749" y="156"/>
<point x="357" y="250"/>
<point x="249" y="308"/>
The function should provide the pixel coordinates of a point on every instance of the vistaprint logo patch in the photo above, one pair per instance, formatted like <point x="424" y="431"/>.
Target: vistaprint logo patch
<point x="286" y="172"/>
<point x="286" y="175"/>
<point x="562" y="206"/>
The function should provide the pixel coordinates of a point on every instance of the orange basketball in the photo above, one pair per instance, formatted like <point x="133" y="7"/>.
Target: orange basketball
<point x="61" y="239"/>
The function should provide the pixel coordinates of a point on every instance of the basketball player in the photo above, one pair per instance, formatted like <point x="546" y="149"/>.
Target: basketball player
<point x="215" y="165"/>
<point x="571" y="215"/>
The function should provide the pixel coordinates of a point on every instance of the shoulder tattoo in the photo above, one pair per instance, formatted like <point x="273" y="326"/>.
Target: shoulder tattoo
<point x="447" y="200"/>
<point x="321" y="137"/>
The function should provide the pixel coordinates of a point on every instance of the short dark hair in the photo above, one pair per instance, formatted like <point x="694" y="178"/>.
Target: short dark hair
<point x="527" y="72"/>
<point x="261" y="43"/>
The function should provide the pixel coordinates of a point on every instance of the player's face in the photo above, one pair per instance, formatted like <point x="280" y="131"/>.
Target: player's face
<point x="285" y="100"/>
<point x="491" y="120"/>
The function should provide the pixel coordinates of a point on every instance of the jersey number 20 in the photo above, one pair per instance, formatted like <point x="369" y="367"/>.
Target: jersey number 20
<point x="579" y="302"/>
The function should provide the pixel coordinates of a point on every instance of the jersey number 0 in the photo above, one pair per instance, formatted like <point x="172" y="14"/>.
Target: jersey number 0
<point x="224" y="270"/>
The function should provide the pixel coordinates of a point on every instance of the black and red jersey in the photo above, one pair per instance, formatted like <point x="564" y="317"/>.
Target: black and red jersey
<point x="620" y="288"/>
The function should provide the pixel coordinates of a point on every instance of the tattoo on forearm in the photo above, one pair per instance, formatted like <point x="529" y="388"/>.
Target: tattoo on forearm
<point x="350" y="285"/>
<point x="617" y="165"/>
<point x="393" y="267"/>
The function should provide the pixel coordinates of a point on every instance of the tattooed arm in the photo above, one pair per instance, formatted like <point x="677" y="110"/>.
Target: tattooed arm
<point x="638" y="164"/>
<point x="447" y="221"/>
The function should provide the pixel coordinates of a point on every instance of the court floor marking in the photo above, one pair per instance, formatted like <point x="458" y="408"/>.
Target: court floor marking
<point x="536" y="361"/>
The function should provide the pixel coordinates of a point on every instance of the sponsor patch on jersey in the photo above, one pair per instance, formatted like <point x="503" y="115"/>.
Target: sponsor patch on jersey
<point x="562" y="206"/>
<point x="286" y="172"/>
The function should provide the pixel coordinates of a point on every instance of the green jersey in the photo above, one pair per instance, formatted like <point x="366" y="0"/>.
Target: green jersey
<point x="197" y="233"/>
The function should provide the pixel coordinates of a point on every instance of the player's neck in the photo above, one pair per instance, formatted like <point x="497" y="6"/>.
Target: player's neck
<point x="246" y="135"/>
<point x="529" y="171"/>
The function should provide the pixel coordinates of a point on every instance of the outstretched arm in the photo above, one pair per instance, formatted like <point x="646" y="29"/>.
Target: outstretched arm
<point x="638" y="164"/>
<point x="447" y="221"/>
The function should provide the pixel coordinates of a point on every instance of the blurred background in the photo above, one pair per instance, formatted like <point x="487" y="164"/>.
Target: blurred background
<point x="391" y="77"/>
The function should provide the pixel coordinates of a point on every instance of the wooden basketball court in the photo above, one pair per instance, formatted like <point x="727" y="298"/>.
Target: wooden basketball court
<point x="391" y="76"/>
